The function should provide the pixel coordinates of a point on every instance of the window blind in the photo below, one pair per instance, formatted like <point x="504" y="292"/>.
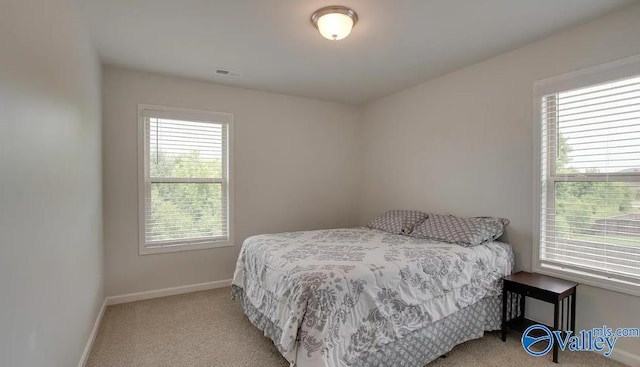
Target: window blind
<point x="590" y="173"/>
<point x="185" y="179"/>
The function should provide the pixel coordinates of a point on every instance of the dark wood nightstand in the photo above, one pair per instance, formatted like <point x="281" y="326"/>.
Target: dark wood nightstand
<point x="548" y="289"/>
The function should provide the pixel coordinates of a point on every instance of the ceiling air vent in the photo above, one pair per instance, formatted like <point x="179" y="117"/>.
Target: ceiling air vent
<point x="227" y="72"/>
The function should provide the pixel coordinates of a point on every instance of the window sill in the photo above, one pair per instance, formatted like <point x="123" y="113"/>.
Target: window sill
<point x="583" y="277"/>
<point x="144" y="250"/>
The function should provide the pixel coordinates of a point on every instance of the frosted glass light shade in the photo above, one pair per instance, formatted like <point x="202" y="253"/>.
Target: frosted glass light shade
<point x="335" y="26"/>
<point x="334" y="22"/>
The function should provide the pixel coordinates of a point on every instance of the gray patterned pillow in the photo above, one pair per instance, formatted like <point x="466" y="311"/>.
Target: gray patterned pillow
<point x="463" y="231"/>
<point x="398" y="221"/>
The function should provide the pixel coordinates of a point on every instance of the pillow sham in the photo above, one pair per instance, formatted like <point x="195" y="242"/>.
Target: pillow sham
<point x="398" y="221"/>
<point x="463" y="231"/>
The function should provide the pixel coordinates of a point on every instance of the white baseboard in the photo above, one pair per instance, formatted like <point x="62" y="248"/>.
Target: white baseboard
<point x="92" y="336"/>
<point x="156" y="293"/>
<point x="622" y="356"/>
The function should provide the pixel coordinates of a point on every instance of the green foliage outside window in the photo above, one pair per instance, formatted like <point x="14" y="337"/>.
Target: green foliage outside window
<point x="185" y="210"/>
<point x="581" y="207"/>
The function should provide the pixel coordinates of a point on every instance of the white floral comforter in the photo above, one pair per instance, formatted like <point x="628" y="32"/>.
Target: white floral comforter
<point x="332" y="295"/>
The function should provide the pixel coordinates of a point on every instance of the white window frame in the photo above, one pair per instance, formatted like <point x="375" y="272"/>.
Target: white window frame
<point x="611" y="71"/>
<point x="182" y="114"/>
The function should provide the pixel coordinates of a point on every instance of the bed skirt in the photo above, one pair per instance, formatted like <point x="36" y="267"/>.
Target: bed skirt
<point x="416" y="349"/>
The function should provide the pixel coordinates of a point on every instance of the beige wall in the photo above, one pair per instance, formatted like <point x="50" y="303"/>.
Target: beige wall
<point x="294" y="162"/>
<point x="463" y="144"/>
<point x="50" y="184"/>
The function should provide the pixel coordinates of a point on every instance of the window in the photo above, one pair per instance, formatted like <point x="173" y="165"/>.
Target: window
<point x="184" y="170"/>
<point x="589" y="164"/>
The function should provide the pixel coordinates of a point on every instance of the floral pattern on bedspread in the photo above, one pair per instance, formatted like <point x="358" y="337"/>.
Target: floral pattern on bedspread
<point x="341" y="293"/>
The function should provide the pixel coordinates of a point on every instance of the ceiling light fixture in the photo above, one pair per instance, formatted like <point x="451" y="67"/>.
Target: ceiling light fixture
<point x="334" y="22"/>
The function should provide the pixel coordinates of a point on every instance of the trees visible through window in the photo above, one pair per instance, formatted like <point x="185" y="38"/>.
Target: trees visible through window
<point x="184" y="180"/>
<point x="590" y="180"/>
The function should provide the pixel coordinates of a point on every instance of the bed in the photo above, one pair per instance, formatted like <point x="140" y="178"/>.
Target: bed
<point x="364" y="297"/>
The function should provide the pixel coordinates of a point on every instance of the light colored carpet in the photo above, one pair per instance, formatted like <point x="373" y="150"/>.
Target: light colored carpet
<point x="206" y="329"/>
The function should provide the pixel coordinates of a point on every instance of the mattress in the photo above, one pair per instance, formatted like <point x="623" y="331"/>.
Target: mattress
<point x="333" y="297"/>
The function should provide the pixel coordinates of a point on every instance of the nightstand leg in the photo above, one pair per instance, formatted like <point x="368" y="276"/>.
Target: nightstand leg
<point x="556" y="311"/>
<point x="522" y="305"/>
<point x="573" y="312"/>
<point x="504" y="314"/>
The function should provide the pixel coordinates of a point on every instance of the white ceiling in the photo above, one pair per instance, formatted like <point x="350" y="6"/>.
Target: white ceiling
<point x="395" y="44"/>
